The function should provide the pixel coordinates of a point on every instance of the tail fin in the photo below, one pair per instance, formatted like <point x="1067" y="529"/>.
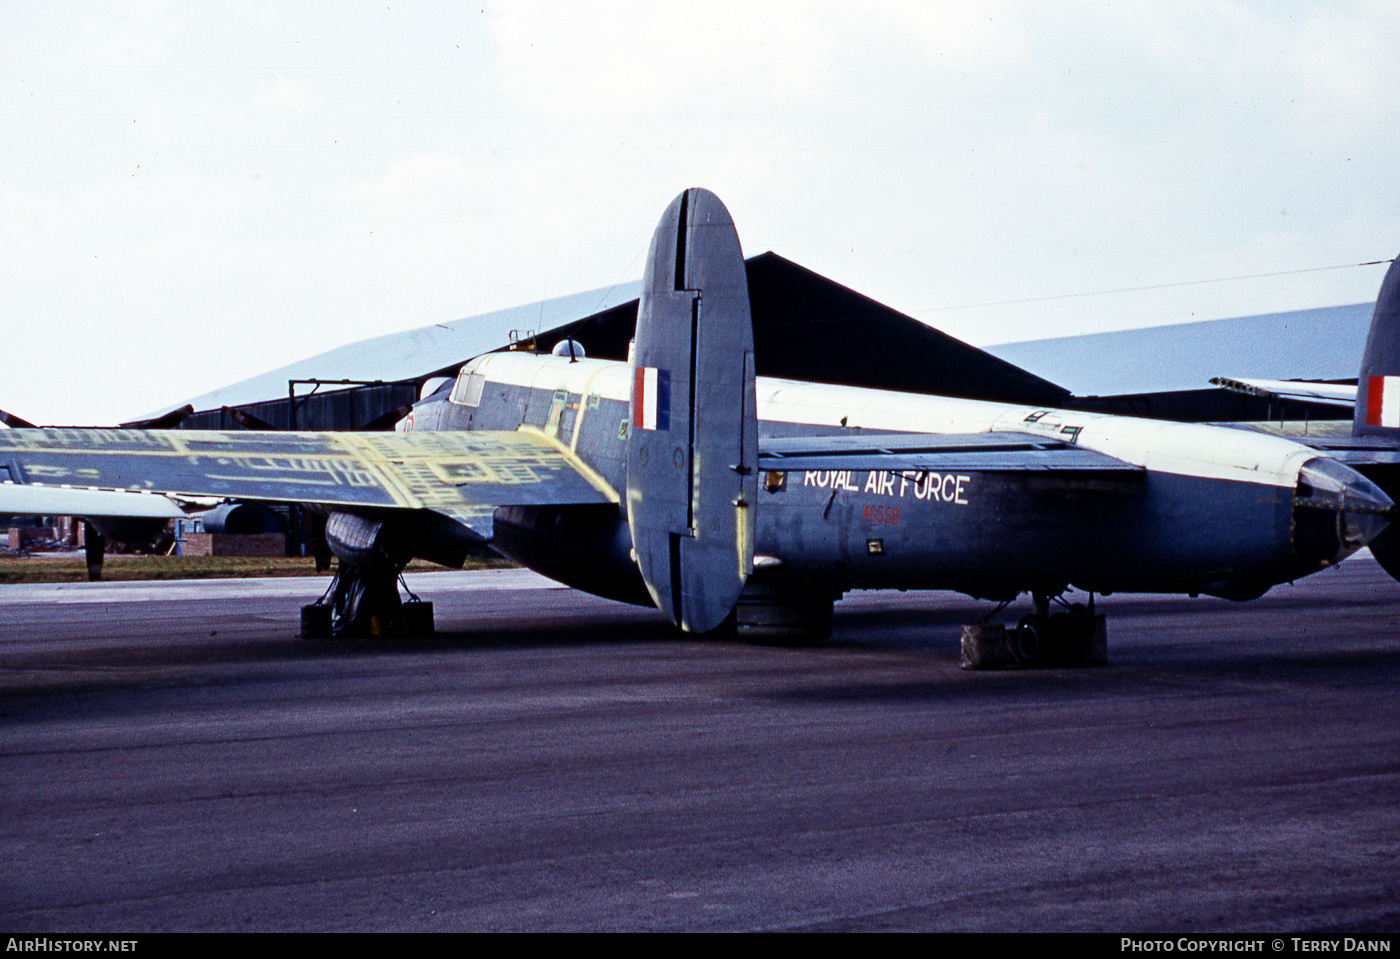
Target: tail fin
<point x="1378" y="386"/>
<point x="1378" y="404"/>
<point x="692" y="445"/>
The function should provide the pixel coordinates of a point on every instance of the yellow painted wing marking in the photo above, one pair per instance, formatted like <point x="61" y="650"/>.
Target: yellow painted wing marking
<point x="408" y="470"/>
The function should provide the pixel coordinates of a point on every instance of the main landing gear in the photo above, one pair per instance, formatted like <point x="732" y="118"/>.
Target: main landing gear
<point x="363" y="601"/>
<point x="1073" y="636"/>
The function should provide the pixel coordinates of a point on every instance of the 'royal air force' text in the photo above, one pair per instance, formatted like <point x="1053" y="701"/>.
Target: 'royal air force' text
<point x="937" y="487"/>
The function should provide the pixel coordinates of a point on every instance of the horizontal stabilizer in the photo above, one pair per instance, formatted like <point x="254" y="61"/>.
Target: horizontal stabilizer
<point x="982" y="452"/>
<point x="1329" y="394"/>
<point x="1358" y="451"/>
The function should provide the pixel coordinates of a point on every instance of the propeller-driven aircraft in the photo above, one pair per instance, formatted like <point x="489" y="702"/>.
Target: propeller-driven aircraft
<point x="682" y="480"/>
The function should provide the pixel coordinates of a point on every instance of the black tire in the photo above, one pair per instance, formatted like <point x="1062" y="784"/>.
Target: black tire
<point x="1031" y="639"/>
<point x="1066" y="630"/>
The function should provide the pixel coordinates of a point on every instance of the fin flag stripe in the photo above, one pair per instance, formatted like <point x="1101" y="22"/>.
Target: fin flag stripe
<point x="1383" y="401"/>
<point x="651" y="399"/>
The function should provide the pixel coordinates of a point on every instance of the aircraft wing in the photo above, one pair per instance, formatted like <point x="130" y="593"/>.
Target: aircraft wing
<point x="465" y="475"/>
<point x="983" y="452"/>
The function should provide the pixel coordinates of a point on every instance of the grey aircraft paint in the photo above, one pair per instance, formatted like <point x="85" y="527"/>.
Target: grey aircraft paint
<point x="815" y="488"/>
<point x="987" y="499"/>
<point x="1102" y="525"/>
<point x="692" y="439"/>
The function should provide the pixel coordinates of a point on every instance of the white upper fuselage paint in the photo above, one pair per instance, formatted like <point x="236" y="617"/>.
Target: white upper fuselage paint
<point x="1182" y="449"/>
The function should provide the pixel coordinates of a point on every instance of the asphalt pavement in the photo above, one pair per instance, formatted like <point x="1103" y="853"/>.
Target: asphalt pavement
<point x="172" y="757"/>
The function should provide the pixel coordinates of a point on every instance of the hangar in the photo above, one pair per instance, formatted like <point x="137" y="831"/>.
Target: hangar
<point x="809" y="327"/>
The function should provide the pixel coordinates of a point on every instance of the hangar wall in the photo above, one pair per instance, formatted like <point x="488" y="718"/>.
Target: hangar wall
<point x="364" y="407"/>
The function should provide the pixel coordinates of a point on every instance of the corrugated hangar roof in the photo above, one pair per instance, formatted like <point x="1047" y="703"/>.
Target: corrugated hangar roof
<point x="1320" y="344"/>
<point x="415" y="353"/>
<point x="809" y="327"/>
<point x="805" y="326"/>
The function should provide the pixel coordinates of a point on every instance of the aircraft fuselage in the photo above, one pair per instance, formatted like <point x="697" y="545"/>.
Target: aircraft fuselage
<point x="1211" y="509"/>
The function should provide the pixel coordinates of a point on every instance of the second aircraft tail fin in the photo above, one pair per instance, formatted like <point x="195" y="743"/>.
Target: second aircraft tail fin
<point x="1378" y="385"/>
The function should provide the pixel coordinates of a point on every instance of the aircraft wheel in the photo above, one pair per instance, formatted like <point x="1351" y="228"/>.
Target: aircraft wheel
<point x="1075" y="637"/>
<point x="1031" y="639"/>
<point x="1067" y="633"/>
<point x="772" y="618"/>
<point x="1386" y="550"/>
<point x="1089" y="645"/>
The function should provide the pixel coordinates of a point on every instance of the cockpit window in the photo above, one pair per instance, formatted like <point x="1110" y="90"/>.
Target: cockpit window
<point x="467" y="392"/>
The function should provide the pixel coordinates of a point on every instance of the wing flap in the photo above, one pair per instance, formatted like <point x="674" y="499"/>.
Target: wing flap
<point x="982" y="452"/>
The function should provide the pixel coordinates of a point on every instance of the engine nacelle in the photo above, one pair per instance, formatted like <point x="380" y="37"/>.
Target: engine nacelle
<point x="390" y="540"/>
<point x="1336" y="511"/>
<point x="241" y="519"/>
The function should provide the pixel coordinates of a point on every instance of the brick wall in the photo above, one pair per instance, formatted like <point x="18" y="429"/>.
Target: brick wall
<point x="227" y="544"/>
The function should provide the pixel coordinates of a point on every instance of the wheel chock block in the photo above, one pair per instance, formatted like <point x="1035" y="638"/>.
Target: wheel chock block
<point x="316" y="621"/>
<point x="988" y="646"/>
<point x="419" y="617"/>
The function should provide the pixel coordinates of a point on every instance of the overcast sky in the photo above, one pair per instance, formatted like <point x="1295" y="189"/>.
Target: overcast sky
<point x="193" y="193"/>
